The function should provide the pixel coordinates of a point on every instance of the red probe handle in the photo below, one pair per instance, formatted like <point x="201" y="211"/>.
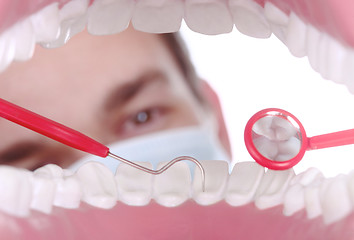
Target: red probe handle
<point x="51" y="129"/>
<point x="335" y="139"/>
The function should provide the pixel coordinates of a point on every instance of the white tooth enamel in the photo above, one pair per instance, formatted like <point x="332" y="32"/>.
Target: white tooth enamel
<point x="351" y="185"/>
<point x="46" y="23"/>
<point x="272" y="188"/>
<point x="322" y="46"/>
<point x="348" y="70"/>
<point x="16" y="191"/>
<point x="72" y="17"/>
<point x="243" y="183"/>
<point x="216" y="175"/>
<point x="249" y="18"/>
<point x="294" y="200"/>
<point x="334" y="60"/>
<point x="158" y="16"/>
<point x="67" y="188"/>
<point x="109" y="16"/>
<point x="134" y="186"/>
<point x="309" y="176"/>
<point x="263" y="127"/>
<point x="313" y="37"/>
<point x="44" y="189"/>
<point x="68" y="172"/>
<point x="24" y="40"/>
<point x="336" y="203"/>
<point x="208" y="16"/>
<point x="49" y="170"/>
<point x="295" y="38"/>
<point x="283" y="129"/>
<point x="312" y="202"/>
<point x="297" y="197"/>
<point x="98" y="185"/>
<point x="277" y="19"/>
<point x="288" y="149"/>
<point x="173" y="187"/>
<point x="7" y="49"/>
<point x="267" y="148"/>
<point x="68" y="192"/>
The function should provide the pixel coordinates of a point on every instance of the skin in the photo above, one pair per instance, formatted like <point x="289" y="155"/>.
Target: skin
<point x="110" y="88"/>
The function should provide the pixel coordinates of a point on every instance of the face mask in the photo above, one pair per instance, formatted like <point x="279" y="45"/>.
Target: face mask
<point x="199" y="142"/>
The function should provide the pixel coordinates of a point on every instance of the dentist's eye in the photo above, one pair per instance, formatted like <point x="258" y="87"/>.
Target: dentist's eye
<point x="143" y="121"/>
<point x="143" y="117"/>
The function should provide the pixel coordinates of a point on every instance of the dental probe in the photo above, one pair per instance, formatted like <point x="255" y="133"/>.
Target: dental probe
<point x="75" y="139"/>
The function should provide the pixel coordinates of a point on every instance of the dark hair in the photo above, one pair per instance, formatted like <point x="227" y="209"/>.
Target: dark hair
<point x="179" y="50"/>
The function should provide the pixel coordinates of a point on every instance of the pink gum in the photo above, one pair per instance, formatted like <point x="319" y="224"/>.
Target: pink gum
<point x="188" y="221"/>
<point x="332" y="16"/>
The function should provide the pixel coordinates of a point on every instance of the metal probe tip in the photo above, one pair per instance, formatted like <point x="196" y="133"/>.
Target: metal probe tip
<point x="164" y="168"/>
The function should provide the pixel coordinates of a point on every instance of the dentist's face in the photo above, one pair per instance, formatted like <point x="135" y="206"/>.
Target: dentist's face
<point x="110" y="88"/>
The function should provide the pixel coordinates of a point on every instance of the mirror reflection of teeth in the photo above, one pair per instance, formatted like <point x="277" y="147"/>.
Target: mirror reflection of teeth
<point x="331" y="55"/>
<point x="278" y="150"/>
<point x="276" y="138"/>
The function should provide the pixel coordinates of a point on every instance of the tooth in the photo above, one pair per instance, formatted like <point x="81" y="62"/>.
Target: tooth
<point x="348" y="72"/>
<point x="313" y="37"/>
<point x="299" y="195"/>
<point x="46" y="23"/>
<point x="173" y="187"/>
<point x="98" y="185"/>
<point x="288" y="149"/>
<point x="109" y="16"/>
<point x="309" y="176"/>
<point x="158" y="16"/>
<point x="295" y="38"/>
<point x="49" y="170"/>
<point x="67" y="188"/>
<point x="264" y="127"/>
<point x="43" y="193"/>
<point x="336" y="202"/>
<point x="283" y="129"/>
<point x="335" y="56"/>
<point x="321" y="54"/>
<point x="312" y="200"/>
<point x="243" y="183"/>
<point x="216" y="175"/>
<point x="249" y="18"/>
<point x="208" y="16"/>
<point x="351" y="186"/>
<point x="277" y="19"/>
<point x="134" y="186"/>
<point x="16" y="191"/>
<point x="267" y="148"/>
<point x="68" y="192"/>
<point x="73" y="19"/>
<point x="68" y="172"/>
<point x="7" y="49"/>
<point x="272" y="188"/>
<point x="294" y="200"/>
<point x="25" y="40"/>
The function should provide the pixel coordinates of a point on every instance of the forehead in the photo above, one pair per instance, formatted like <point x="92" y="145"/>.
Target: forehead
<point x="85" y="59"/>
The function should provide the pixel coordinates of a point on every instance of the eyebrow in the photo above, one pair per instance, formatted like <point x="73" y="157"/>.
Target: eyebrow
<point x="19" y="151"/>
<point x="124" y="93"/>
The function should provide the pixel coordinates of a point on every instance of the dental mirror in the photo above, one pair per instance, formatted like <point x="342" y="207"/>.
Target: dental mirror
<point x="277" y="140"/>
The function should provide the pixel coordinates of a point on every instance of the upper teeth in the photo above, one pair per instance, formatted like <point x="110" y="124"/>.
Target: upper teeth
<point x="330" y="58"/>
<point x="95" y="184"/>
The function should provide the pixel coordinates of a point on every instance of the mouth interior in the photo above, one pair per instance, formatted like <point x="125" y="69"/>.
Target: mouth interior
<point x="307" y="87"/>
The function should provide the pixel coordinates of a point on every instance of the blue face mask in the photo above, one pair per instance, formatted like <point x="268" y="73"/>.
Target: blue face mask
<point x="199" y="142"/>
